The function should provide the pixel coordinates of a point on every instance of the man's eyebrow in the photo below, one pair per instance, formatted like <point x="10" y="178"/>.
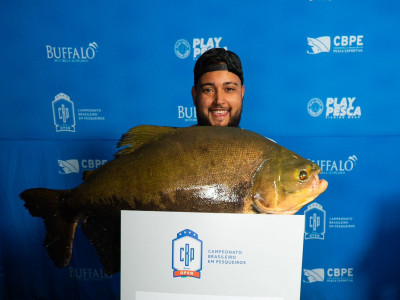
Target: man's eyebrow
<point x="206" y="83"/>
<point x="230" y="82"/>
<point x="225" y="83"/>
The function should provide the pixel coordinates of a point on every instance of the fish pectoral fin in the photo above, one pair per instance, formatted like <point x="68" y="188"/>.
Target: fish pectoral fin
<point x="59" y="240"/>
<point x="141" y="135"/>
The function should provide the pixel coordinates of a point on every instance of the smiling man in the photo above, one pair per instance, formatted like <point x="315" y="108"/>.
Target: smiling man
<point x="218" y="89"/>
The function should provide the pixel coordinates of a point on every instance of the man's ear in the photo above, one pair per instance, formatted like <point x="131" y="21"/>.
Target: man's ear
<point x="242" y="92"/>
<point x="194" y="93"/>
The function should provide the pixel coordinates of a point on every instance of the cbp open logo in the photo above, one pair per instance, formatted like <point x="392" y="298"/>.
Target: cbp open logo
<point x="187" y="253"/>
<point x="63" y="113"/>
<point x="315" y="226"/>
<point x="199" y="45"/>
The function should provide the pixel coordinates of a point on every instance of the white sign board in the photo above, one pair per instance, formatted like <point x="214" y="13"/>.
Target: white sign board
<point x="193" y="256"/>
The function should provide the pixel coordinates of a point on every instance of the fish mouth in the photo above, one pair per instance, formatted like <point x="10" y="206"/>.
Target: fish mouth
<point x="317" y="187"/>
<point x="320" y="185"/>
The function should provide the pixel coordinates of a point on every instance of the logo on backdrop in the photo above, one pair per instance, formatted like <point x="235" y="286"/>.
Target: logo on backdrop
<point x="72" y="54"/>
<point x="319" y="45"/>
<point x="73" y="166"/>
<point x="315" y="107"/>
<point x="315" y="275"/>
<point x="187" y="253"/>
<point x="199" y="46"/>
<point x="63" y="113"/>
<point x="337" y="167"/>
<point x="337" y="44"/>
<point x="182" y="48"/>
<point x="188" y="114"/>
<point x="315" y="225"/>
<point x="68" y="166"/>
<point x="335" y="108"/>
<point x="332" y="275"/>
<point x="88" y="274"/>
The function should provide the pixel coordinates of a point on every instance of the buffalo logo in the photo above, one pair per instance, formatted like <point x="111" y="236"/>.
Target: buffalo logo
<point x="63" y="113"/>
<point x="315" y="275"/>
<point x="187" y="252"/>
<point x="318" y="45"/>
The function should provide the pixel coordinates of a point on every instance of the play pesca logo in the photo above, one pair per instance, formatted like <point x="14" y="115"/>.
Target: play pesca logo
<point x="337" y="44"/>
<point x="187" y="254"/>
<point x="198" y="46"/>
<point x="335" y="108"/>
<point x="72" y="54"/>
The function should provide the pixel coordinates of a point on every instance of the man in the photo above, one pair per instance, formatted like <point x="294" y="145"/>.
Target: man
<point x="218" y="89"/>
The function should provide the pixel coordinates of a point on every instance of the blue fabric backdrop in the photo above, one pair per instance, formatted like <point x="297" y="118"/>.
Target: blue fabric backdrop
<point x="321" y="78"/>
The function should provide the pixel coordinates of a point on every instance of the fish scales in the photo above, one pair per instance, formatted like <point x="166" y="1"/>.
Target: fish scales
<point x="194" y="169"/>
<point x="174" y="167"/>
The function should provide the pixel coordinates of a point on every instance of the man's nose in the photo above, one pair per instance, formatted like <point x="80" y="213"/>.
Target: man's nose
<point x="219" y="97"/>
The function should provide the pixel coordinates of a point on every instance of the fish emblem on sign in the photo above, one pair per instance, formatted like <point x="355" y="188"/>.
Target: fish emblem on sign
<point x="187" y="253"/>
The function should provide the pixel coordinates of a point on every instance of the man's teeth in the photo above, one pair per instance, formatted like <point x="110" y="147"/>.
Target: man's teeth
<point x="219" y="112"/>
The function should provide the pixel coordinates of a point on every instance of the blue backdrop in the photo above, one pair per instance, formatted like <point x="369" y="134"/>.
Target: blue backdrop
<point x="321" y="78"/>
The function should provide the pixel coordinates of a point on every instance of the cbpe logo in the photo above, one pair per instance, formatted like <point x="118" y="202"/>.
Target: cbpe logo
<point x="182" y="47"/>
<point x="72" y="54"/>
<point x="332" y="275"/>
<point x="315" y="226"/>
<point x="187" y="253"/>
<point x="339" y="44"/>
<point x="63" y="113"/>
<point x="319" y="45"/>
<point x="335" y="108"/>
<point x="71" y="166"/>
<point x="314" y="275"/>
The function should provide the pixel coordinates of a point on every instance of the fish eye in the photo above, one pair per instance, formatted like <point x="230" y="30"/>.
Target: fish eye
<point x="303" y="175"/>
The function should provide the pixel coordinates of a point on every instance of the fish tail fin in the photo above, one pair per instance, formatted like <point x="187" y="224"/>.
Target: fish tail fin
<point x="45" y="203"/>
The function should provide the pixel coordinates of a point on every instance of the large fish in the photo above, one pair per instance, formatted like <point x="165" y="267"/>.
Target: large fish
<point x="193" y="169"/>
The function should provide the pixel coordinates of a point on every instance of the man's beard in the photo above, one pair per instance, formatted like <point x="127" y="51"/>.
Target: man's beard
<point x="203" y="120"/>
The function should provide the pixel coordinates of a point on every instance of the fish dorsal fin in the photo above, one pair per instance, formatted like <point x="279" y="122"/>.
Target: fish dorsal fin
<point x="141" y="135"/>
